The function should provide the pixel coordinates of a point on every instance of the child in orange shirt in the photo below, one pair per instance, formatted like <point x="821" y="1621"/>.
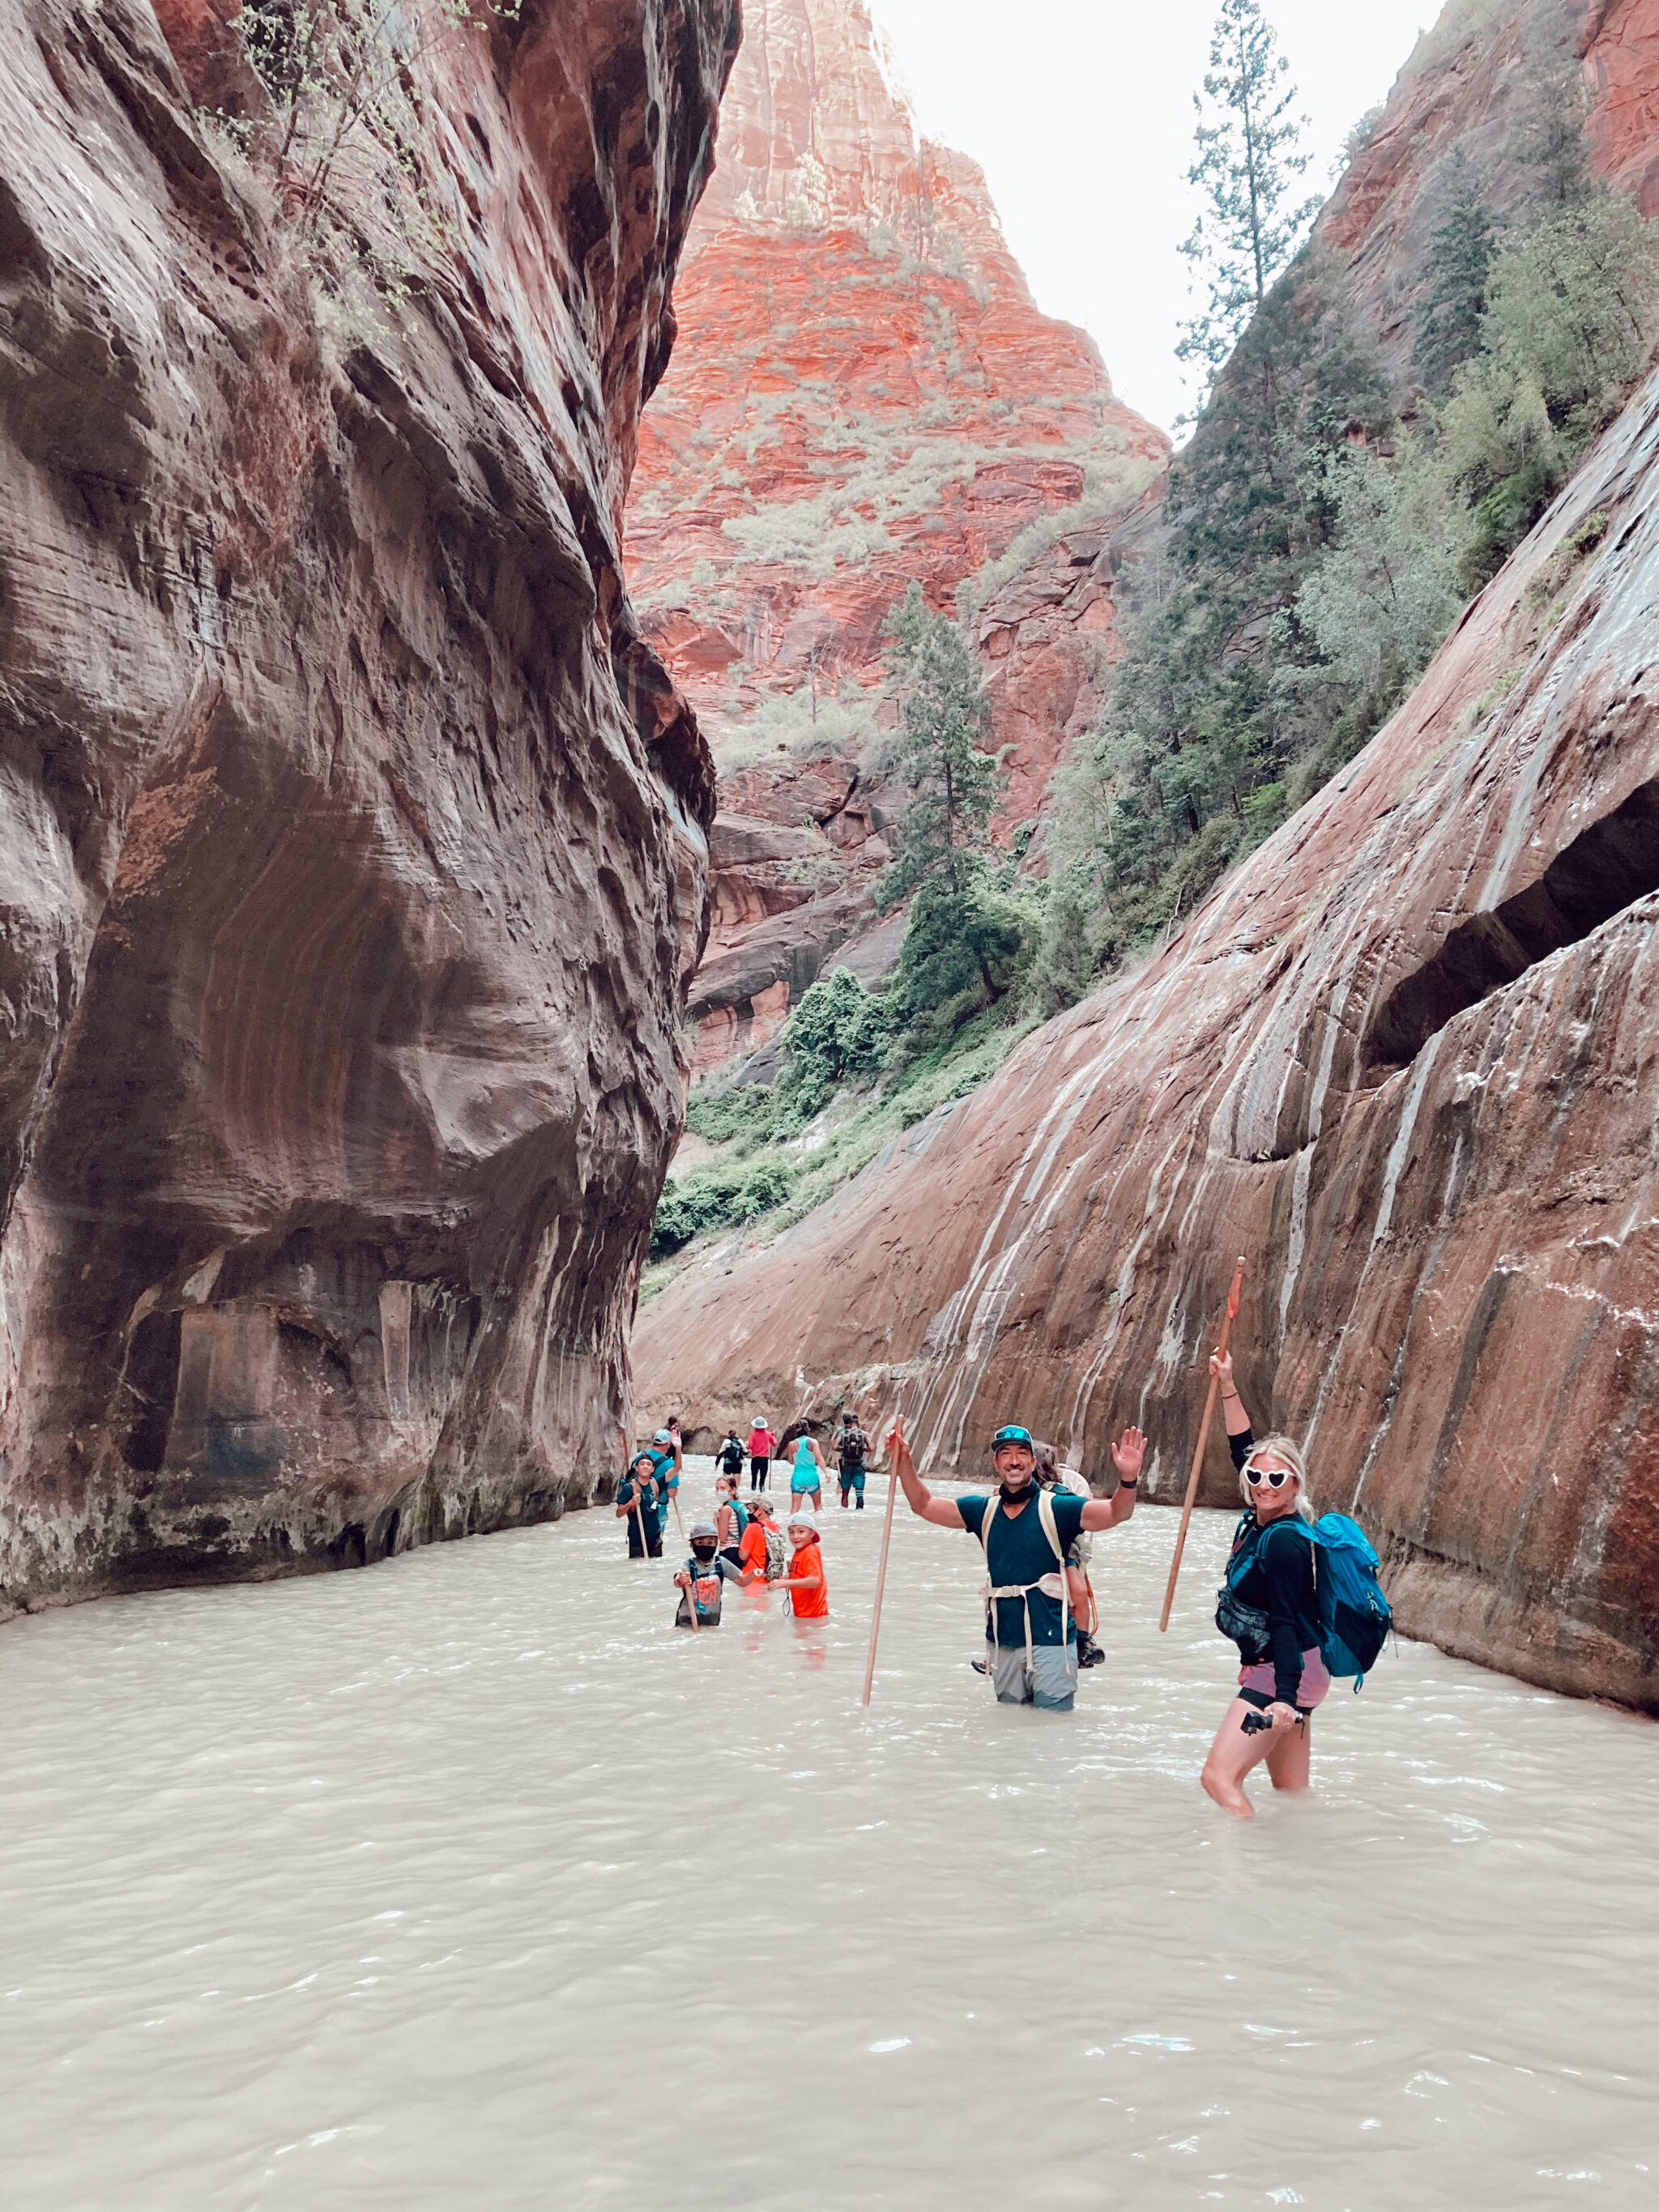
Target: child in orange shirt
<point x="809" y="1594"/>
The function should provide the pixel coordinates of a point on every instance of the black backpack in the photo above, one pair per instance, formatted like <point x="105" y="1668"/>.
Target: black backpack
<point x="731" y="1459"/>
<point x="852" y="1444"/>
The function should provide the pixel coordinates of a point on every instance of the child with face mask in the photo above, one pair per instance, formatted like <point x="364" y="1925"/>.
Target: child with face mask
<point x="701" y="1580"/>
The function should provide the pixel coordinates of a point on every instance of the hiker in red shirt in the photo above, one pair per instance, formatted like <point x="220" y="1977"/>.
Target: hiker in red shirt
<point x="809" y="1594"/>
<point x="762" y="1446"/>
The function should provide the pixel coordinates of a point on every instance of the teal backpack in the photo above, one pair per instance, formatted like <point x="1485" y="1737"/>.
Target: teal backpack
<point x="1354" y="1616"/>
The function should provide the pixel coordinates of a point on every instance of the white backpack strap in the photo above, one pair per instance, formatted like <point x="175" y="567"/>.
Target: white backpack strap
<point x="1051" y="1530"/>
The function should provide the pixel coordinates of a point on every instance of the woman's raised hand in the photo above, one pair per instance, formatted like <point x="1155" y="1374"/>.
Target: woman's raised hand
<point x="1221" y="1366"/>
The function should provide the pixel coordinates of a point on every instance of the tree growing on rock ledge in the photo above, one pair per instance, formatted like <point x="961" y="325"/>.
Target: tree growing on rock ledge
<point x="963" y="936"/>
<point x="1248" y="157"/>
<point x="943" y="721"/>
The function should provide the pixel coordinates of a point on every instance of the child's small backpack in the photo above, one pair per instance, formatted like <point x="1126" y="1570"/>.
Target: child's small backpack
<point x="741" y="1514"/>
<point x="777" y="1555"/>
<point x="1354" y="1616"/>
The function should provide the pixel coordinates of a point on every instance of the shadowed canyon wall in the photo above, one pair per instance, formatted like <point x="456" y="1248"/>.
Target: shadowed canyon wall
<point x="863" y="392"/>
<point x="1406" y="1059"/>
<point x="353" y="847"/>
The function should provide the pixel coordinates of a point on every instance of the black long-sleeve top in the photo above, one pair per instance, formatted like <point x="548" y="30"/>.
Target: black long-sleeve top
<point x="1278" y="1581"/>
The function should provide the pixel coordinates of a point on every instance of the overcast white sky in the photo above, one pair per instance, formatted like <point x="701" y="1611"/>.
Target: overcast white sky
<point x="1080" y="113"/>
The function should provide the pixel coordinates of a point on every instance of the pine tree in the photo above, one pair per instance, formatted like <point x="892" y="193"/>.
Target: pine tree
<point x="1549" y="138"/>
<point x="944" y="719"/>
<point x="1248" y="159"/>
<point x="1455" y="267"/>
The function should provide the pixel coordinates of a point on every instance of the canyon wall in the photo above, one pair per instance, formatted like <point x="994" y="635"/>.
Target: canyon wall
<point x="1464" y="90"/>
<point x="1406" y="1060"/>
<point x="863" y="393"/>
<point x="353" y="841"/>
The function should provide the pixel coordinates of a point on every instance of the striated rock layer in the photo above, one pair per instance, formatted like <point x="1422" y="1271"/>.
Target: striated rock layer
<point x="1406" y="1059"/>
<point x="866" y="393"/>
<point x="352" y="844"/>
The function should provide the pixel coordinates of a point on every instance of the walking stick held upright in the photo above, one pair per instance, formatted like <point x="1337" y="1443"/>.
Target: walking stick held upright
<point x="1197" y="1450"/>
<point x="899" y="1445"/>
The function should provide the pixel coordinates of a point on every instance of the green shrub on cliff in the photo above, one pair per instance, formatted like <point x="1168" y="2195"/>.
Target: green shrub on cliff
<point x="1573" y="304"/>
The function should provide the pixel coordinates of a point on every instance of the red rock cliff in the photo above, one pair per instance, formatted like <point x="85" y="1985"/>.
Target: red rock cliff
<point x="863" y="392"/>
<point x="1406" y="1058"/>
<point x="352" y="844"/>
<point x="1465" y="86"/>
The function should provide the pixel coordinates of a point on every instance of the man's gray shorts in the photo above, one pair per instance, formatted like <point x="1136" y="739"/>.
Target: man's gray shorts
<point x="1052" y="1685"/>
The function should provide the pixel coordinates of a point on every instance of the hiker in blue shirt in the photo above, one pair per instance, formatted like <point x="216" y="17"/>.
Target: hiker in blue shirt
<point x="1031" y="1632"/>
<point x="640" y="1502"/>
<point x="1270" y="1607"/>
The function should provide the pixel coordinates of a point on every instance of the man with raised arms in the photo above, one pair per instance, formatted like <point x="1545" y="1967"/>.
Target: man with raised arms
<point x="1026" y="1532"/>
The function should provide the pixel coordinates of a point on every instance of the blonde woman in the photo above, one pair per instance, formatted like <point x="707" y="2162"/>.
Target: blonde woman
<point x="1269" y="1606"/>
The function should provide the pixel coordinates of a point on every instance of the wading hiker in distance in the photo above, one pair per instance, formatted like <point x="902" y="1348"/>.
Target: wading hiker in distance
<point x="1030" y="1630"/>
<point x="729" y="1457"/>
<point x="852" y="1449"/>
<point x="762" y="1446"/>
<point x="730" y="1519"/>
<point x="806" y="1474"/>
<point x="641" y="1502"/>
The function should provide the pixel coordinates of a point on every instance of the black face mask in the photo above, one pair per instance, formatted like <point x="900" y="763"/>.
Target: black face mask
<point x="1014" y="1496"/>
<point x="703" y="1551"/>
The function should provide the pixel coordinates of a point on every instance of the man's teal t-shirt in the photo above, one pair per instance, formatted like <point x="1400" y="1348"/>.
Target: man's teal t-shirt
<point x="1021" y="1552"/>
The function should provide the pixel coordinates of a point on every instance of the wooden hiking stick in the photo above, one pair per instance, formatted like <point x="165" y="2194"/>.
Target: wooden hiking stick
<point x="1203" y="1439"/>
<point x="899" y="1445"/>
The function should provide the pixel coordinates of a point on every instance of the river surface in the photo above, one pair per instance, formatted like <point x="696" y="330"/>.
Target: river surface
<point x="465" y="1883"/>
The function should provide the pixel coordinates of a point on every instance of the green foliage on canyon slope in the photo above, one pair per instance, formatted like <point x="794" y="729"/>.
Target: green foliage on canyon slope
<point x="1315" y="549"/>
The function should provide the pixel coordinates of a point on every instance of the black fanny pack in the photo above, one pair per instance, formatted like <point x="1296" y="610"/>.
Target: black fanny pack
<point x="1246" y="1624"/>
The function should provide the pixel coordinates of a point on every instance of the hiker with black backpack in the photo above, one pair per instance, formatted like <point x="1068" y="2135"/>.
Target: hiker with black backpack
<point x="1030" y="1652"/>
<point x="729" y="1457"/>
<point x="853" y="1448"/>
<point x="1302" y="1603"/>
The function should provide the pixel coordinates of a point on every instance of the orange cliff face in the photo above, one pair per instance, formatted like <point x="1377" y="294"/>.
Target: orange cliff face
<point x="1464" y="87"/>
<point x="863" y="392"/>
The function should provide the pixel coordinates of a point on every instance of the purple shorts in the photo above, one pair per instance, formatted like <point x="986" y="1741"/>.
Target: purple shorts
<point x="1314" y="1681"/>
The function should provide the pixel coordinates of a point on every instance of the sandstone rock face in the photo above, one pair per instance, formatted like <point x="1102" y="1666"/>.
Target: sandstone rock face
<point x="793" y="858"/>
<point x="1464" y="87"/>
<point x="352" y="842"/>
<point x="1406" y="1059"/>
<point x="863" y="393"/>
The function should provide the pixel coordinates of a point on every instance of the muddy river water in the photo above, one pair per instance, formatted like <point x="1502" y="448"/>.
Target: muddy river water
<point x="466" y="1884"/>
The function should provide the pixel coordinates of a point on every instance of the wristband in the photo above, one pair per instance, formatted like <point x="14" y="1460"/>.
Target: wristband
<point x="1127" y="1481"/>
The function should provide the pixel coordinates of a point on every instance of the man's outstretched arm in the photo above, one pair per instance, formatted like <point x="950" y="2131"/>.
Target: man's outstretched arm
<point x="944" y="1512"/>
<point x="1127" y="1457"/>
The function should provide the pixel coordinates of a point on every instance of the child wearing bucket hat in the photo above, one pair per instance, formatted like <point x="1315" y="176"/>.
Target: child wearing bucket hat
<point x="702" y="1580"/>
